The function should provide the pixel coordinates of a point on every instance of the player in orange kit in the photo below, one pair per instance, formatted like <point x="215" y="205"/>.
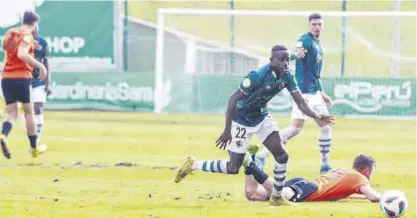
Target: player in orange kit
<point x="332" y="186"/>
<point x="19" y="46"/>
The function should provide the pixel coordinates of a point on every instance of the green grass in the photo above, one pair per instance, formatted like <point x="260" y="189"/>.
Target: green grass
<point x="264" y="32"/>
<point x="84" y="148"/>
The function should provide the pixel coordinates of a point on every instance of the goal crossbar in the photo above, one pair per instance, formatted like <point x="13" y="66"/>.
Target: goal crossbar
<point x="179" y="11"/>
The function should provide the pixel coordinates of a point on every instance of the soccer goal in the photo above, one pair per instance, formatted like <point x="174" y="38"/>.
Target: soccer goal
<point x="202" y="55"/>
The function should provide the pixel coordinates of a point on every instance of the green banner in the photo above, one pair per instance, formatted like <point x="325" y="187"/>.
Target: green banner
<point x="102" y="91"/>
<point x="209" y="94"/>
<point x="351" y="96"/>
<point x="80" y="34"/>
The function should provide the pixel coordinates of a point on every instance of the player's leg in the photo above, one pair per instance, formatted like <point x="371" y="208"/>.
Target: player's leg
<point x="269" y="135"/>
<point x="297" y="123"/>
<point x="258" y="185"/>
<point x="230" y="166"/>
<point x="299" y="189"/>
<point x="9" y="92"/>
<point x="39" y="99"/>
<point x="254" y="191"/>
<point x="325" y="134"/>
<point x="237" y="151"/>
<point x="27" y="105"/>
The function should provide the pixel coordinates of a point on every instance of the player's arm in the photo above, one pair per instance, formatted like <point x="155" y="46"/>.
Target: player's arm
<point x="370" y="193"/>
<point x="304" y="106"/>
<point x="23" y="54"/>
<point x="246" y="87"/>
<point x="46" y="63"/>
<point x="231" y="108"/>
<point x="226" y="137"/>
<point x="292" y="87"/>
<point x="357" y="196"/>
<point x="300" y="50"/>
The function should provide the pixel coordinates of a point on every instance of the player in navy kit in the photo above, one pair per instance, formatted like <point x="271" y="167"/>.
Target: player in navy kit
<point x="247" y="115"/>
<point x="308" y="56"/>
<point x="40" y="88"/>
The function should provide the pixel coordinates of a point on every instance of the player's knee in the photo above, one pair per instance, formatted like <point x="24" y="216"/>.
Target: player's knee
<point x="249" y="193"/>
<point x="282" y="157"/>
<point x="326" y="129"/>
<point x="233" y="168"/>
<point x="38" y="108"/>
<point x="295" y="130"/>
<point x="28" y="111"/>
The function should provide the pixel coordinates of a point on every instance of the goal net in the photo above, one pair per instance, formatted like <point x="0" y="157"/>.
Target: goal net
<point x="202" y="55"/>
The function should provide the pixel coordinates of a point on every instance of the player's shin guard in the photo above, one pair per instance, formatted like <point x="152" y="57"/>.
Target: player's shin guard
<point x="280" y="172"/>
<point x="32" y="140"/>
<point x="39" y="124"/>
<point x="214" y="166"/>
<point x="325" y="142"/>
<point x="257" y="173"/>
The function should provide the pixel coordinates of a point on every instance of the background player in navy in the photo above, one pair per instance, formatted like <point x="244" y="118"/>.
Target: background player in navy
<point x="247" y="115"/>
<point x="309" y="59"/>
<point x="40" y="88"/>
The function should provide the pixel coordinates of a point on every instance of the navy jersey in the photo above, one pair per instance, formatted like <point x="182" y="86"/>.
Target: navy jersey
<point x="40" y="55"/>
<point x="259" y="87"/>
<point x="308" y="69"/>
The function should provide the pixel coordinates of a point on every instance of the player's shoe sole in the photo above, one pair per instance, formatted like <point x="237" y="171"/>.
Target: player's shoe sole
<point x="185" y="169"/>
<point x="4" y="148"/>
<point x="280" y="201"/>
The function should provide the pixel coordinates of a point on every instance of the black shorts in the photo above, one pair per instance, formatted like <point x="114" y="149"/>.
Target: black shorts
<point x="16" y="90"/>
<point x="302" y="188"/>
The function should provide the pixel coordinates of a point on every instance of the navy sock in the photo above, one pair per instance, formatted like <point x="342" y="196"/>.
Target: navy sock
<point x="7" y="127"/>
<point x="33" y="140"/>
<point x="257" y="173"/>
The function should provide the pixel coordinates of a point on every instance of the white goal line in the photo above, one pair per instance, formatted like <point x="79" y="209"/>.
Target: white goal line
<point x="180" y="11"/>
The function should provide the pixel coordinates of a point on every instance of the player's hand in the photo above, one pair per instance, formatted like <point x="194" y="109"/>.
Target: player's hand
<point x="224" y="139"/>
<point x="301" y="53"/>
<point x="326" y="99"/>
<point x="37" y="45"/>
<point x="48" y="90"/>
<point x="43" y="74"/>
<point x="328" y="119"/>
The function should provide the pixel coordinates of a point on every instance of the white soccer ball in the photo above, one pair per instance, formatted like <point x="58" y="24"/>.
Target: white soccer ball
<point x="393" y="203"/>
<point x="42" y="148"/>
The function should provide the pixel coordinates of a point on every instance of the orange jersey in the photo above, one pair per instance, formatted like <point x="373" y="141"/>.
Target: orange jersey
<point x="13" y="66"/>
<point x="338" y="184"/>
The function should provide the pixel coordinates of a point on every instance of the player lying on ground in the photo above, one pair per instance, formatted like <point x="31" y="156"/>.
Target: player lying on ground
<point x="16" y="80"/>
<point x="332" y="186"/>
<point x="308" y="56"/>
<point x="247" y="115"/>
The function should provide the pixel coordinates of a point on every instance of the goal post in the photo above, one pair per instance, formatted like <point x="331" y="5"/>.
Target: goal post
<point x="258" y="53"/>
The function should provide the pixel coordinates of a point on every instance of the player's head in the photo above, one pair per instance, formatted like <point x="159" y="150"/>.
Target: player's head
<point x="364" y="164"/>
<point x="280" y="58"/>
<point x="30" y="20"/>
<point x="315" y="24"/>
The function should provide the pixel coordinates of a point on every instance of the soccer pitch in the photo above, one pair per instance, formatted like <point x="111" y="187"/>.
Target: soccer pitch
<point x="368" y="40"/>
<point x="79" y="176"/>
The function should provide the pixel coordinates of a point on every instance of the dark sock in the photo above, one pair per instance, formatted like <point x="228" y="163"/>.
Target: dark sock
<point x="248" y="172"/>
<point x="257" y="173"/>
<point x="7" y="127"/>
<point x="33" y="139"/>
